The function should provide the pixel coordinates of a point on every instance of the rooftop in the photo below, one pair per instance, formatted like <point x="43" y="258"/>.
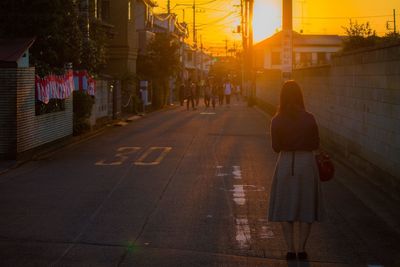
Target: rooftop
<point x="11" y="50"/>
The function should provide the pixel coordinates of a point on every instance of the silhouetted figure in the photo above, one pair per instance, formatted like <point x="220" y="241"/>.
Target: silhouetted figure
<point x="295" y="193"/>
<point x="190" y="93"/>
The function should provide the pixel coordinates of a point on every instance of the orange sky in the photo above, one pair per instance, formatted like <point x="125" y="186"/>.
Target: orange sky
<point x="216" y="19"/>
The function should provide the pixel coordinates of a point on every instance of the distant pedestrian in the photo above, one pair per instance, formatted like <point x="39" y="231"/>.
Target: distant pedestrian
<point x="190" y="93"/>
<point x="214" y="93"/>
<point x="220" y="89"/>
<point x="198" y="87"/>
<point x="207" y="94"/>
<point x="182" y="90"/>
<point x="295" y="193"/>
<point x="237" y="92"/>
<point x="228" y="87"/>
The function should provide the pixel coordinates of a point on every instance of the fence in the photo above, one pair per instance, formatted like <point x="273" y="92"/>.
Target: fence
<point x="356" y="101"/>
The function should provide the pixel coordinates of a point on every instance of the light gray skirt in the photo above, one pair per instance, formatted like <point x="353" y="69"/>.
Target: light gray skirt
<point x="295" y="192"/>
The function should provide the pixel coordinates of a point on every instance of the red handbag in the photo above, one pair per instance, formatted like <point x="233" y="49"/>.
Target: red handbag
<point x="325" y="166"/>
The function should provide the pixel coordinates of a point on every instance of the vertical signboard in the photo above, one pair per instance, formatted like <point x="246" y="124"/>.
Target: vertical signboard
<point x="287" y="52"/>
<point x="287" y="39"/>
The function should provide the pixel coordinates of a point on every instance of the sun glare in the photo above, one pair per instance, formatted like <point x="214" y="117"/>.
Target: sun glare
<point x="267" y="19"/>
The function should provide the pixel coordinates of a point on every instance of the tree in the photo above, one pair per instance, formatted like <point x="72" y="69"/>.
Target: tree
<point x="359" y="36"/>
<point x="160" y="63"/>
<point x="59" y="39"/>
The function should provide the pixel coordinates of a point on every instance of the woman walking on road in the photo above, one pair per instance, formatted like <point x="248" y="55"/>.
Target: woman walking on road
<point x="190" y="92"/>
<point x="228" y="91"/>
<point x="295" y="193"/>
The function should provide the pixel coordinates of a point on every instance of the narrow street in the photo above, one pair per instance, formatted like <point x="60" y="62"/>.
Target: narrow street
<point x="175" y="188"/>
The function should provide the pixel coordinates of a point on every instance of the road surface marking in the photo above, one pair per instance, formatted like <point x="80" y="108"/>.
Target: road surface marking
<point x="238" y="195"/>
<point x="120" y="157"/>
<point x="164" y="151"/>
<point x="266" y="232"/>
<point x="208" y="113"/>
<point x="237" y="173"/>
<point x="243" y="234"/>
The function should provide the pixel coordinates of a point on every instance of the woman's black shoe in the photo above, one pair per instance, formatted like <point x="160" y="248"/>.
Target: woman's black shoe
<point x="290" y="256"/>
<point x="302" y="256"/>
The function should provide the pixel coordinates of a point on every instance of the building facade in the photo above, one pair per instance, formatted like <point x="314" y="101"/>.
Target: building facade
<point x="308" y="50"/>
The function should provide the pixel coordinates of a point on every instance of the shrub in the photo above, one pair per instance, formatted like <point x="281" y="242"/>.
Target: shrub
<point x="83" y="104"/>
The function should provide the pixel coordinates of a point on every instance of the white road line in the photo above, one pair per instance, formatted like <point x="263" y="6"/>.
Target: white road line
<point x="266" y="233"/>
<point x="243" y="235"/>
<point x="237" y="173"/>
<point x="238" y="195"/>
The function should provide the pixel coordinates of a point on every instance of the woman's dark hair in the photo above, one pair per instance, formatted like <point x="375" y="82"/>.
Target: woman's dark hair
<point x="291" y="102"/>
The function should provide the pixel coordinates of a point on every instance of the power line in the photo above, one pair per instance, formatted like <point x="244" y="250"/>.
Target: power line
<point x="360" y="17"/>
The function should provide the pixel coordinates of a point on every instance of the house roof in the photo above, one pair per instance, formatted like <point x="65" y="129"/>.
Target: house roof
<point x="11" y="50"/>
<point x="303" y="40"/>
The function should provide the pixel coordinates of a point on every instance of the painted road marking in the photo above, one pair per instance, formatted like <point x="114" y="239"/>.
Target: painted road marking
<point x="243" y="235"/>
<point x="266" y="233"/>
<point x="237" y="173"/>
<point x="120" y="157"/>
<point x="208" y="113"/>
<point x="239" y="196"/>
<point x="142" y="160"/>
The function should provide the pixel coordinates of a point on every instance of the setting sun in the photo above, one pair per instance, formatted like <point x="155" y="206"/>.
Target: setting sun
<point x="217" y="21"/>
<point x="267" y="19"/>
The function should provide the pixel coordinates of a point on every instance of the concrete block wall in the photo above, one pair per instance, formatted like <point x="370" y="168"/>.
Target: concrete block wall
<point x="268" y="87"/>
<point x="32" y="130"/>
<point x="356" y="101"/>
<point x="24" y="130"/>
<point x="8" y="121"/>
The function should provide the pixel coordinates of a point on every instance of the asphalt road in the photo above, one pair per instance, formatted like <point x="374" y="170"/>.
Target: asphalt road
<point x="176" y="188"/>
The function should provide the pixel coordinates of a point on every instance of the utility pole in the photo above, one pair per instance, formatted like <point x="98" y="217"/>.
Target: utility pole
<point x="243" y="55"/>
<point x="194" y="22"/>
<point x="195" y="42"/>
<point x="226" y="47"/>
<point x="250" y="53"/>
<point x="169" y="6"/>
<point x="394" y="21"/>
<point x="287" y="39"/>
<point x="201" y="58"/>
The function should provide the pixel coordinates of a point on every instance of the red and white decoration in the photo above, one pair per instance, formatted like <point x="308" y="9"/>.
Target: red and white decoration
<point x="54" y="87"/>
<point x="62" y="86"/>
<point x="84" y="82"/>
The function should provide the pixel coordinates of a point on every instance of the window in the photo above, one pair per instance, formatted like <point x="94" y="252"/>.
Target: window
<point x="275" y="58"/>
<point x="129" y="10"/>
<point x="96" y="10"/>
<point x="189" y="56"/>
<point x="321" y="56"/>
<point x="305" y="58"/>
<point x="105" y="10"/>
<point x="54" y="105"/>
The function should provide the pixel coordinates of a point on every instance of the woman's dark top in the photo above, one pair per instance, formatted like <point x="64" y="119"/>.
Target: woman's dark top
<point x="294" y="134"/>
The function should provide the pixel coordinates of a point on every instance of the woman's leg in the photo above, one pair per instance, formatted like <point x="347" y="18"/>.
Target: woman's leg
<point x="304" y="233"/>
<point x="287" y="228"/>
